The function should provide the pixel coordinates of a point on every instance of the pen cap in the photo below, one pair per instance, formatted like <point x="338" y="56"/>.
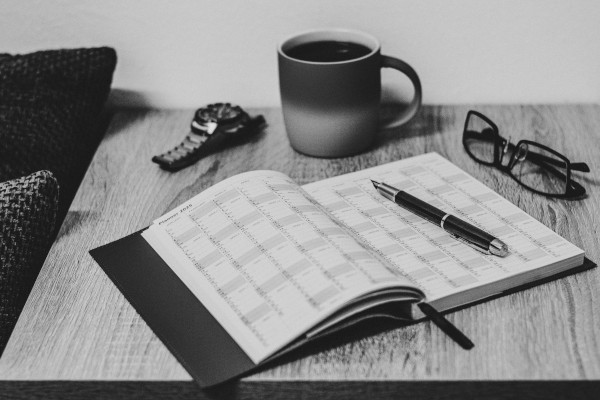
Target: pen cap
<point x="463" y="229"/>
<point x="420" y="207"/>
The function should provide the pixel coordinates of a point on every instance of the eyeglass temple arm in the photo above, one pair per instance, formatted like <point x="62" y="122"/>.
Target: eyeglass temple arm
<point x="574" y="188"/>
<point x="490" y="137"/>
<point x="580" y="166"/>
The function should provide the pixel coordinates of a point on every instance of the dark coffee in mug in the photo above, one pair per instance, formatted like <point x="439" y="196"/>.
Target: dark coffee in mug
<point x="328" y="51"/>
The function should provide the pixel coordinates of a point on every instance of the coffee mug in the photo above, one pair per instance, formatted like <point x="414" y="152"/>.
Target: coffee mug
<point x="330" y="86"/>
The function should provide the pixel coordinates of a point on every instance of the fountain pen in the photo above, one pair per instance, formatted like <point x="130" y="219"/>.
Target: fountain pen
<point x="461" y="230"/>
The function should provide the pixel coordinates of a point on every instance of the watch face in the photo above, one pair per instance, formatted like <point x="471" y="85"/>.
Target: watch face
<point x="221" y="113"/>
<point x="221" y="116"/>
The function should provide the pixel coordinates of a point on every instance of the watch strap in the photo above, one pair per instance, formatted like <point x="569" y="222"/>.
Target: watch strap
<point x="201" y="142"/>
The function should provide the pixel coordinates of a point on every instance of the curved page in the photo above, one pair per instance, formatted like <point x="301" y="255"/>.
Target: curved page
<point x="266" y="260"/>
<point x="448" y="271"/>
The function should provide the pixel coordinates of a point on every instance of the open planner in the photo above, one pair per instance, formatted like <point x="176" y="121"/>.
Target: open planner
<point x="257" y="265"/>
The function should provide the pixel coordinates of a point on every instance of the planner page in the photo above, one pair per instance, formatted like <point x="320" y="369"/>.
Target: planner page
<point x="449" y="272"/>
<point x="265" y="260"/>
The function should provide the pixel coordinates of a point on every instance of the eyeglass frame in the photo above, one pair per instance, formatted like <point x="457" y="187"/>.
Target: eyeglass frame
<point x="573" y="190"/>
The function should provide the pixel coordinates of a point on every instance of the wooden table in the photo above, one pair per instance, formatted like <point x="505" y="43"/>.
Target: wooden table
<point x="77" y="330"/>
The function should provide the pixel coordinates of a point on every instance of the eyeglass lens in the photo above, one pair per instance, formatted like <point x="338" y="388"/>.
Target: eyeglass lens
<point x="479" y="139"/>
<point x="539" y="169"/>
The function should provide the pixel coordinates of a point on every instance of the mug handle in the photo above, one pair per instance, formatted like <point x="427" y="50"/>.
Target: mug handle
<point x="415" y="103"/>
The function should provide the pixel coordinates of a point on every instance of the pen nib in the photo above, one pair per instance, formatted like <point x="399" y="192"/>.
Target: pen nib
<point x="376" y="184"/>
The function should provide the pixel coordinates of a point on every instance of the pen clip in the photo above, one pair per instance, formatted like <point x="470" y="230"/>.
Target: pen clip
<point x="473" y="245"/>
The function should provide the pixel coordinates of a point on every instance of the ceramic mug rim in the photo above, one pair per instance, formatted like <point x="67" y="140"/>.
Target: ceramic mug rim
<point x="339" y="34"/>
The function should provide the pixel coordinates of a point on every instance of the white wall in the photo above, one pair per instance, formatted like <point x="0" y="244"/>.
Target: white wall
<point x="185" y="53"/>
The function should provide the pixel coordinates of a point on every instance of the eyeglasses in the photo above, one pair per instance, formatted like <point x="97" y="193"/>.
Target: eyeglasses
<point x="535" y="166"/>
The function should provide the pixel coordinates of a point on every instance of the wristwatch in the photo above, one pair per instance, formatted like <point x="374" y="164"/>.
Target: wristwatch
<point x="211" y="126"/>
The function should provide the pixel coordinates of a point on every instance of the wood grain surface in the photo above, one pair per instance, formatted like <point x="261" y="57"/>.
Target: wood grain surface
<point x="76" y="325"/>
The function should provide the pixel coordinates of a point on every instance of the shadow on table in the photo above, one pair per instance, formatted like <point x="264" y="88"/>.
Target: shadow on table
<point x="370" y="328"/>
<point x="586" y="179"/>
<point x="360" y="331"/>
<point x="428" y="121"/>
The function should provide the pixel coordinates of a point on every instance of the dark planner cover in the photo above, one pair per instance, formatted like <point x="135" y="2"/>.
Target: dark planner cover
<point x="173" y="313"/>
<point x="180" y="320"/>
